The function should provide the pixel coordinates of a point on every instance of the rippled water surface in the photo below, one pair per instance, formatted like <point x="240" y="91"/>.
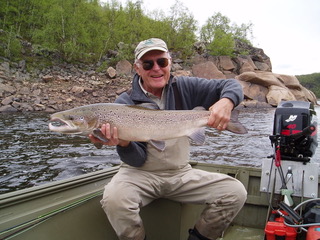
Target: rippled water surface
<point x="32" y="155"/>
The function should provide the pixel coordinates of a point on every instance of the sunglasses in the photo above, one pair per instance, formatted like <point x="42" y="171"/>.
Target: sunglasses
<point x="148" y="64"/>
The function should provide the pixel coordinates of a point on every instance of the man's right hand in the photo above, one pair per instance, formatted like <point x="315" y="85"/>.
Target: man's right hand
<point x="111" y="135"/>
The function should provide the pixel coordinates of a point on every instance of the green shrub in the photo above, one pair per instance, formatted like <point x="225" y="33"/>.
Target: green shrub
<point x="10" y="46"/>
<point x="311" y="82"/>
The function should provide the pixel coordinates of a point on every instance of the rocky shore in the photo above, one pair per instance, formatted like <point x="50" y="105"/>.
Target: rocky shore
<point x="66" y="86"/>
<point x="56" y="88"/>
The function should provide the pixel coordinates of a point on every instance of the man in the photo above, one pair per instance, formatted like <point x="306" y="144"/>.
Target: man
<point x="147" y="173"/>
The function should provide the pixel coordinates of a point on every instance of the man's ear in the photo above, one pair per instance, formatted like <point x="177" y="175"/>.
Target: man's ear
<point x="137" y="68"/>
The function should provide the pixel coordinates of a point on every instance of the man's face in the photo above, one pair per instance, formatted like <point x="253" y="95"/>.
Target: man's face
<point x="158" y="75"/>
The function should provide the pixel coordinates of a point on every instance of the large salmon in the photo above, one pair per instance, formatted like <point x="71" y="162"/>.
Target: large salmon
<point x="135" y="123"/>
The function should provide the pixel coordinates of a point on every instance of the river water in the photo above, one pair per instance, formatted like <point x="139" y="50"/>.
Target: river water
<point x="31" y="155"/>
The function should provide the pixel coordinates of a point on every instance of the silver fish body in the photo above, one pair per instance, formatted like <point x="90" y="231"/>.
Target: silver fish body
<point x="136" y="123"/>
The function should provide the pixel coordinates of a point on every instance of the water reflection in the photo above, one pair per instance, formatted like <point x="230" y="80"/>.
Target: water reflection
<point x="32" y="155"/>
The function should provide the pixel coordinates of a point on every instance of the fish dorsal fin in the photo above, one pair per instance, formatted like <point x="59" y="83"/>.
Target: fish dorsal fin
<point x="198" y="137"/>
<point x="150" y="106"/>
<point x="159" y="145"/>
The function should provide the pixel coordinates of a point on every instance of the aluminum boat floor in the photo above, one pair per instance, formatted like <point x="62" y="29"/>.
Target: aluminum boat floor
<point x="243" y="233"/>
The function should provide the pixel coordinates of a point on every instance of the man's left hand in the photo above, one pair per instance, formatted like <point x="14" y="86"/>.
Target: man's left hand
<point x="220" y="114"/>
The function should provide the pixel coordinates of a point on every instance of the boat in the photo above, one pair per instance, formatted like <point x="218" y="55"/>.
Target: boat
<point x="70" y="209"/>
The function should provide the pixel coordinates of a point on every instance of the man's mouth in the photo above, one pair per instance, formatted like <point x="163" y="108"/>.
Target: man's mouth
<point x="157" y="76"/>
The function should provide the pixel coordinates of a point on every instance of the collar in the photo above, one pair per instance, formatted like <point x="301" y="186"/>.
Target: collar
<point x="148" y="94"/>
<point x="137" y="94"/>
<point x="142" y="88"/>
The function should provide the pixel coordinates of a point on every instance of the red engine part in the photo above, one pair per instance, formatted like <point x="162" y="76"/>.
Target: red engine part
<point x="276" y="229"/>
<point x="313" y="233"/>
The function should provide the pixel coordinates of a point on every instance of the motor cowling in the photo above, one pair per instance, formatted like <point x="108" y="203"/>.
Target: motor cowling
<point x="295" y="130"/>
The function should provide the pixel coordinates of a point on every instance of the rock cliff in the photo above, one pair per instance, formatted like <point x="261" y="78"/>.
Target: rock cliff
<point x="261" y="86"/>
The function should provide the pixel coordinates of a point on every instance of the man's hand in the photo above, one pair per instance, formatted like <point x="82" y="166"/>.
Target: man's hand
<point x="220" y="114"/>
<point x="111" y="135"/>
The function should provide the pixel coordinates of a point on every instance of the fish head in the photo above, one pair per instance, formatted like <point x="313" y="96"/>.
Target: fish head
<point x="73" y="122"/>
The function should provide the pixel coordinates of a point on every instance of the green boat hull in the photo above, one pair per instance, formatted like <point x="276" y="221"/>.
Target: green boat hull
<point x="70" y="209"/>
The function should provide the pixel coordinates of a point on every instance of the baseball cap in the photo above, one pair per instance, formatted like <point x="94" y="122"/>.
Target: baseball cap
<point x="149" y="45"/>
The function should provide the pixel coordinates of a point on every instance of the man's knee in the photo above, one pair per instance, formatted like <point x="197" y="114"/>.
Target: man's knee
<point x="118" y="200"/>
<point x="239" y="193"/>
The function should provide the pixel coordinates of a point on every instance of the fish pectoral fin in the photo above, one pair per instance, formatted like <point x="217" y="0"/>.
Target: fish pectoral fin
<point x="98" y="134"/>
<point x="198" y="137"/>
<point x="159" y="145"/>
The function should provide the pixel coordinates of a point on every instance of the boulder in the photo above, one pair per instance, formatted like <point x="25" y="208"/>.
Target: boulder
<point x="207" y="70"/>
<point x="229" y="74"/>
<point x="24" y="91"/>
<point x="36" y="92"/>
<point x="265" y="79"/>
<point x="6" y="88"/>
<point x="176" y="67"/>
<point x="277" y="94"/>
<point x="124" y="67"/>
<point x="77" y="89"/>
<point x="245" y="64"/>
<point x="262" y="66"/>
<point x="47" y="78"/>
<point x="310" y="96"/>
<point x="7" y="100"/>
<point x="254" y="91"/>
<point x="112" y="73"/>
<point x="226" y="63"/>
<point x="275" y="87"/>
<point x="182" y="73"/>
<point x="289" y="81"/>
<point x="24" y="107"/>
<point x="8" y="108"/>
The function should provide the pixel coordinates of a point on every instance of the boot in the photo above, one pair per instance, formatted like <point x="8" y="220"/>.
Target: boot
<point x="195" y="235"/>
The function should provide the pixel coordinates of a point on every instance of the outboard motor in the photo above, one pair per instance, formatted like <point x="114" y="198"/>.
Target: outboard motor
<point x="295" y="141"/>
<point x="295" y="127"/>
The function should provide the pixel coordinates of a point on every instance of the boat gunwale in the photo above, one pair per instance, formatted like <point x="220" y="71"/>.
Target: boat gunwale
<point x="28" y="194"/>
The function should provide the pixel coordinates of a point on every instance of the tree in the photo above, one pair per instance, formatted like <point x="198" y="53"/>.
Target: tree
<point x="84" y="30"/>
<point x="182" y="28"/>
<point x="73" y="27"/>
<point x="220" y="35"/>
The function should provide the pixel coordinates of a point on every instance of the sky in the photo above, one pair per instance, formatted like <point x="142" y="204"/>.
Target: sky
<point x="287" y="30"/>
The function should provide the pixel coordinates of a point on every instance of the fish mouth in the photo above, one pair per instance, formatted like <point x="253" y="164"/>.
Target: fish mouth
<point x="59" y="125"/>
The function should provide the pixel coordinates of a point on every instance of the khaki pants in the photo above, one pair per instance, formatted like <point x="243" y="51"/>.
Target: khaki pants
<point x="130" y="189"/>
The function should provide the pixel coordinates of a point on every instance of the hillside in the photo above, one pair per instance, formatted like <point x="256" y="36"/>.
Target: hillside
<point x="311" y="82"/>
